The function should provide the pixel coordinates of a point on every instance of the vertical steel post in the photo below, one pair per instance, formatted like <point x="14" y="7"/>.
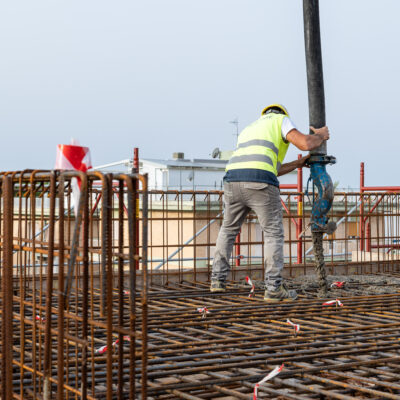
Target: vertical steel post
<point x="362" y="225"/>
<point x="49" y="291"/>
<point x="368" y="236"/>
<point x="7" y="282"/>
<point x="107" y="199"/>
<point x="136" y="182"/>
<point x="132" y="200"/>
<point x="299" y="227"/>
<point x="237" y="249"/>
<point x="85" y="294"/>
<point x="104" y="213"/>
<point x="145" y="209"/>
<point x="121" y="286"/>
<point x="61" y="295"/>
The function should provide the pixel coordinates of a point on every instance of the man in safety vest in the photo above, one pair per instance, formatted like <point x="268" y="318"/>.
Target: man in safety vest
<point x="251" y="183"/>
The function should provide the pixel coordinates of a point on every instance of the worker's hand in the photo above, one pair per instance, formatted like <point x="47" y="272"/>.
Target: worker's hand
<point x="302" y="162"/>
<point x="323" y="132"/>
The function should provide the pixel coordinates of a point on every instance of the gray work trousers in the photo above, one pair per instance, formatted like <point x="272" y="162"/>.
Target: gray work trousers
<point x="264" y="200"/>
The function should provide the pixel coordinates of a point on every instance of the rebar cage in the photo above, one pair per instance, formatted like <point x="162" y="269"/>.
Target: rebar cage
<point x="74" y="308"/>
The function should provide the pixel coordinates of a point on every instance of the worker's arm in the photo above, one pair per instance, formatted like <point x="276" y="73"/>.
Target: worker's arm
<point x="289" y="167"/>
<point x="308" y="142"/>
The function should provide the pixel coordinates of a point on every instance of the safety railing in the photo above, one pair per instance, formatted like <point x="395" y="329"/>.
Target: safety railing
<point x="73" y="299"/>
<point x="184" y="225"/>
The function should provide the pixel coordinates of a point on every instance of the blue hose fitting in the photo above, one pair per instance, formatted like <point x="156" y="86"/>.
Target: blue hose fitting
<point x="322" y="205"/>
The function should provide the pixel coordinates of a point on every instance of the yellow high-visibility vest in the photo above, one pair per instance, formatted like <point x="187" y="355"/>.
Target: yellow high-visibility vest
<point x="260" y="145"/>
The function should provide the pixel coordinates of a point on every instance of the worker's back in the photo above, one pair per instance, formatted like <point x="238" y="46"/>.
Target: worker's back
<point x="260" y="147"/>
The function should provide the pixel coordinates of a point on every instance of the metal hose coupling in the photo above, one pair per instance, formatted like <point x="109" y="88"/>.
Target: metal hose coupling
<point x="323" y="203"/>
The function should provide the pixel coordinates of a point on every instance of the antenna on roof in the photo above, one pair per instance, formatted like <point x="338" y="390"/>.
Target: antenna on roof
<point x="235" y="122"/>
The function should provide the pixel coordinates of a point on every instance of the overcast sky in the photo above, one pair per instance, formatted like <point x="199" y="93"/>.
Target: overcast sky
<point x="169" y="75"/>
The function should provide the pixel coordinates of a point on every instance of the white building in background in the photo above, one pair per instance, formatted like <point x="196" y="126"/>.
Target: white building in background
<point x="179" y="173"/>
<point x="184" y="174"/>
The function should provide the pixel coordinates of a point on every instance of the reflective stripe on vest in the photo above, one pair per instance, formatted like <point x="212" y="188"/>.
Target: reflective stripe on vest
<point x="251" y="157"/>
<point x="260" y="145"/>
<point x="258" y="142"/>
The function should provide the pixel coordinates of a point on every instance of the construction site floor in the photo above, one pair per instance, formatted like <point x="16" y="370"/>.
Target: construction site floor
<point x="340" y="352"/>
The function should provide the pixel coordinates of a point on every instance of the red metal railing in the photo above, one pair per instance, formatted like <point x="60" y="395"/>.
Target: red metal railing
<point x="364" y="234"/>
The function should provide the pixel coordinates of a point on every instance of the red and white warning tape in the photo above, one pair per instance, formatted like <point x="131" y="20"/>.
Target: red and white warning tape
<point x="338" y="284"/>
<point x="253" y="287"/>
<point x="295" y="326"/>
<point x="271" y="375"/>
<point x="203" y="310"/>
<point x="103" y="349"/>
<point x="337" y="302"/>
<point x="39" y="318"/>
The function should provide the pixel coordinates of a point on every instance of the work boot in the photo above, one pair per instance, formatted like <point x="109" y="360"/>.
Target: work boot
<point x="282" y="293"/>
<point x="217" y="286"/>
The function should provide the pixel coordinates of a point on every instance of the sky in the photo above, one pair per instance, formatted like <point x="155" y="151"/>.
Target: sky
<point x="170" y="75"/>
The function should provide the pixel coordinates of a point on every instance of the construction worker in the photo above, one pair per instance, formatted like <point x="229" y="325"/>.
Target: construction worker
<point x="251" y="183"/>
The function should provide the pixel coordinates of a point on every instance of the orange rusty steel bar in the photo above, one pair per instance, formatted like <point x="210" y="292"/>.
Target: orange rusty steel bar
<point x="107" y="199"/>
<point x="85" y="289"/>
<point x="61" y="295"/>
<point x="237" y="249"/>
<point x="49" y="292"/>
<point x="299" y="226"/>
<point x="7" y="291"/>
<point x="136" y="167"/>
<point x="362" y="223"/>
<point x="368" y="237"/>
<point x="144" y="304"/>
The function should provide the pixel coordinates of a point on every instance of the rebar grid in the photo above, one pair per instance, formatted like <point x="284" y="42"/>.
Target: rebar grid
<point x="348" y="352"/>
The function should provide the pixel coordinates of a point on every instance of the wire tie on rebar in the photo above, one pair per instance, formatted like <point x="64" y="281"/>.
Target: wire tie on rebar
<point x="203" y="310"/>
<point x="271" y="375"/>
<point x="296" y="327"/>
<point x="337" y="302"/>
<point x="338" y="284"/>
<point x="253" y="287"/>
